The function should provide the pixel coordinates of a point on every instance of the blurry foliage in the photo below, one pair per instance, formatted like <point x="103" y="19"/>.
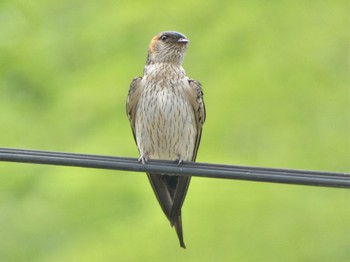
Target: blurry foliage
<point x="275" y="78"/>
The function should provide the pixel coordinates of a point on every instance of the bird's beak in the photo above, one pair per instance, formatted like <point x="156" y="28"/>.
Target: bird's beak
<point x="182" y="40"/>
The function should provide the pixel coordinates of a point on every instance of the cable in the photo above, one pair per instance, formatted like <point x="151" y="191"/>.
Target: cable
<point x="274" y="175"/>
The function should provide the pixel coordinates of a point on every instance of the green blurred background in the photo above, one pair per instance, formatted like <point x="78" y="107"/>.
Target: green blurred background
<point x="275" y="79"/>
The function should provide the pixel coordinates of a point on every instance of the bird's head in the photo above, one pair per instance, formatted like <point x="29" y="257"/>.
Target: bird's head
<point x="167" y="47"/>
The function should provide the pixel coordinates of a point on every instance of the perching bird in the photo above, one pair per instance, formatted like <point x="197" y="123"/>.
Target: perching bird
<point x="166" y="112"/>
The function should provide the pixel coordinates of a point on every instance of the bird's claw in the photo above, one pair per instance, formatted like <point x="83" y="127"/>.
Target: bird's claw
<point x="179" y="161"/>
<point x="143" y="159"/>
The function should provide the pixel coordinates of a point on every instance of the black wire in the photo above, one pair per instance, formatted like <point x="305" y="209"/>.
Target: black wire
<point x="275" y="175"/>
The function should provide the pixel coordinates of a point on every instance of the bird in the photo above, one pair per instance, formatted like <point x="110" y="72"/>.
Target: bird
<point x="166" y="112"/>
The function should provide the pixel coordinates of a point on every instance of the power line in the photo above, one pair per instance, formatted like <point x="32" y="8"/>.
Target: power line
<point x="260" y="174"/>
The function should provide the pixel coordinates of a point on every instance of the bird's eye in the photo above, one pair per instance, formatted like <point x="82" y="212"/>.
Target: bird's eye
<point x="164" y="37"/>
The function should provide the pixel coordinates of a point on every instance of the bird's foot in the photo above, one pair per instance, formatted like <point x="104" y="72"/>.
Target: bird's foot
<point x="179" y="161"/>
<point x="143" y="158"/>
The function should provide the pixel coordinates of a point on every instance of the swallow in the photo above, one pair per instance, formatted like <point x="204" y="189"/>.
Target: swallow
<point x="166" y="112"/>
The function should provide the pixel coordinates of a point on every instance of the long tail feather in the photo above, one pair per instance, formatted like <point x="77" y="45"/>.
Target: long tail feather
<point x="178" y="228"/>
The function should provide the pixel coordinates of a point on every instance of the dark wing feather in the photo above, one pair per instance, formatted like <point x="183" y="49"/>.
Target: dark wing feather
<point x="162" y="192"/>
<point x="131" y="102"/>
<point x="195" y="94"/>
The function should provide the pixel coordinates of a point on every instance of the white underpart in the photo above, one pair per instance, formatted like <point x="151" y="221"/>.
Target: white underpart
<point x="165" y="124"/>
